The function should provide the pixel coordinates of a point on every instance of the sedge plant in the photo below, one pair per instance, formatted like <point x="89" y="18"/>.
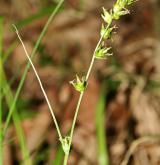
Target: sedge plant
<point x="101" y="52"/>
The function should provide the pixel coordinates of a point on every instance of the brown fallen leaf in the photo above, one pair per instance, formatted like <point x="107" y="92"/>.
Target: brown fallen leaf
<point x="39" y="128"/>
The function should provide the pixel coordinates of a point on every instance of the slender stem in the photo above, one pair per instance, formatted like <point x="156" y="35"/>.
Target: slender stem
<point x="28" y="65"/>
<point x="80" y="99"/>
<point x="65" y="159"/>
<point x="93" y="58"/>
<point x="75" y="117"/>
<point x="87" y="77"/>
<point x="40" y="83"/>
<point x="82" y="93"/>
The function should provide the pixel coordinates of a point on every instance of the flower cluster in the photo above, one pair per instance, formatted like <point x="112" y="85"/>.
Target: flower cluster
<point x="106" y="34"/>
<point x="79" y="84"/>
<point x="119" y="9"/>
<point x="101" y="52"/>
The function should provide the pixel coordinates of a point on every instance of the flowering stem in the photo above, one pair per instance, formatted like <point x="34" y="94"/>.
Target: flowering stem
<point x="65" y="159"/>
<point x="118" y="10"/>
<point x="93" y="58"/>
<point x="80" y="99"/>
<point x="108" y="18"/>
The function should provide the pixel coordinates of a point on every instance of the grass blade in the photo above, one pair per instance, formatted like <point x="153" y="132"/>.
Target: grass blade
<point x="100" y="128"/>
<point x="9" y="98"/>
<point x="59" y="156"/>
<point x="28" y="64"/>
<point x="8" y="52"/>
<point x="1" y="121"/>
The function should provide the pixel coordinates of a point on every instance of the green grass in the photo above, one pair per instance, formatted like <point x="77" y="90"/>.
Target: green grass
<point x="100" y="128"/>
<point x="16" y="119"/>
<point x="1" y="121"/>
<point x="7" y="94"/>
<point x="11" y="100"/>
<point x="59" y="156"/>
<point x="8" y="52"/>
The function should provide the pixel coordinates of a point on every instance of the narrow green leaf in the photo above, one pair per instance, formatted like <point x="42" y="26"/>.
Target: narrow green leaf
<point x="8" y="52"/>
<point x="100" y="128"/>
<point x="1" y="120"/>
<point x="9" y="99"/>
<point x="59" y="156"/>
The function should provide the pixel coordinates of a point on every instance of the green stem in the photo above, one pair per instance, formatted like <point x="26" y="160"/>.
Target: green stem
<point x="80" y="99"/>
<point x="93" y="59"/>
<point x="65" y="159"/>
<point x="89" y="72"/>
<point x="28" y="65"/>
<point x="75" y="118"/>
<point x="82" y="93"/>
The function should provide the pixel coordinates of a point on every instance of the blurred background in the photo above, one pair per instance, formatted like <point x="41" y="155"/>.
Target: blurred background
<point x="119" y="118"/>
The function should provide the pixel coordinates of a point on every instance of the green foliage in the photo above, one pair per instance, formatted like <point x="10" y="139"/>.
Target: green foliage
<point x="45" y="59"/>
<point x="11" y="100"/>
<point x="6" y="92"/>
<point x="100" y="127"/>
<point x="16" y="119"/>
<point x="58" y="157"/>
<point x="152" y="85"/>
<point x="1" y="115"/>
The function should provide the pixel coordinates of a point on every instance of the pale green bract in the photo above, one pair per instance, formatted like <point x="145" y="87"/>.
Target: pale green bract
<point x="106" y="32"/>
<point x="107" y="17"/>
<point x="102" y="53"/>
<point x="118" y="12"/>
<point x="79" y="84"/>
<point x="65" y="144"/>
